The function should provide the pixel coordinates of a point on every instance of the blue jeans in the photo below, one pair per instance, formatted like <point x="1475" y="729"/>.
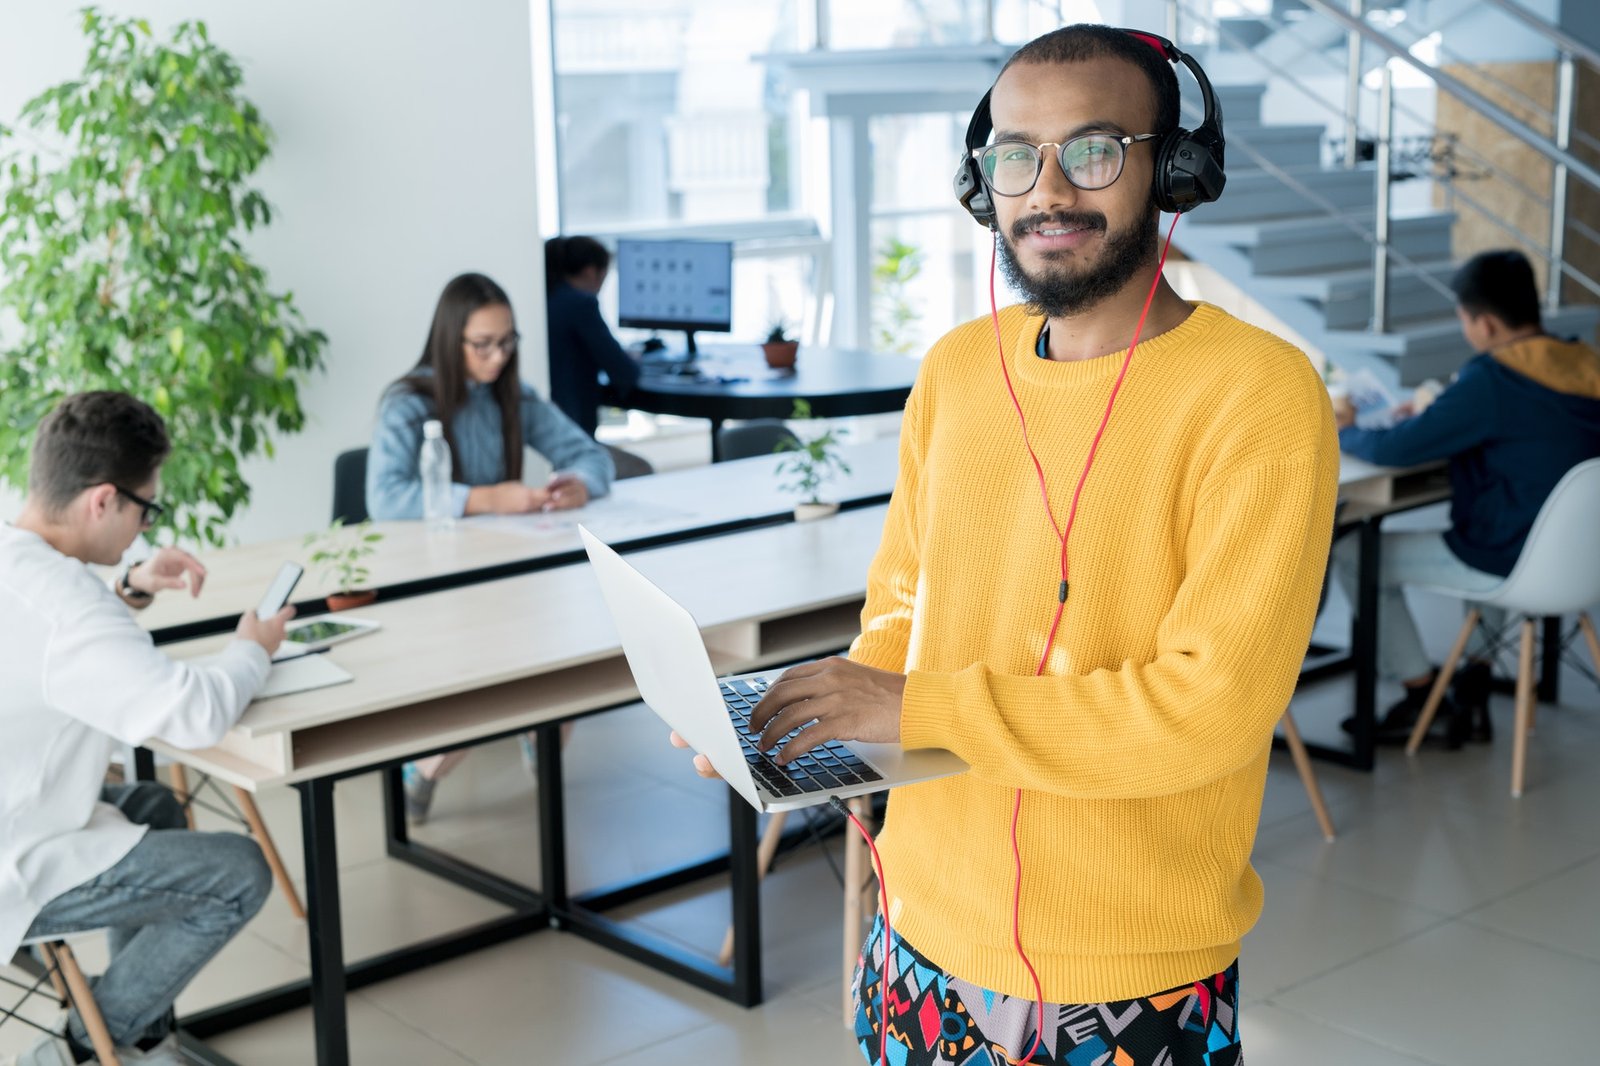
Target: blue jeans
<point x="1411" y="558"/>
<point x="169" y="904"/>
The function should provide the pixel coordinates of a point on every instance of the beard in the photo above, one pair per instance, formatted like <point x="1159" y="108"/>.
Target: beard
<point x="1059" y="289"/>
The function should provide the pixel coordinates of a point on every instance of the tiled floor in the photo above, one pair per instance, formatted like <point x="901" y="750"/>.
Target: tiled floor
<point x="1448" y="924"/>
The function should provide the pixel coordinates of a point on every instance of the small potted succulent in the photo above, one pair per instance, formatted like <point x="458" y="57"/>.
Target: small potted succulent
<point x="809" y="462"/>
<point x="340" y="555"/>
<point x="780" y="348"/>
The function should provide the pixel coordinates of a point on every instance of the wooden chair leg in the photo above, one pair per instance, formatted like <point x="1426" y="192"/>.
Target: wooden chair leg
<point x="1525" y="701"/>
<point x="258" y="829"/>
<point x="83" y="999"/>
<point x="764" y="854"/>
<point x="52" y="970"/>
<point x="180" y="788"/>
<point x="1441" y="684"/>
<point x="1590" y="636"/>
<point x="1308" y="776"/>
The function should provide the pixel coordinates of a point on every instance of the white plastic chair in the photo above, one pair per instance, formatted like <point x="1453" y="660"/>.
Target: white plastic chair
<point x="1557" y="573"/>
<point x="70" y="988"/>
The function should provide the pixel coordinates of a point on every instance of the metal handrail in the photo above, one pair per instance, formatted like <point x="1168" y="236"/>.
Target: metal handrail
<point x="1554" y="34"/>
<point x="1455" y="87"/>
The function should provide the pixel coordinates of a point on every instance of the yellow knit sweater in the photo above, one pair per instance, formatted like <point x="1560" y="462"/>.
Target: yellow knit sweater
<point x="1197" y="558"/>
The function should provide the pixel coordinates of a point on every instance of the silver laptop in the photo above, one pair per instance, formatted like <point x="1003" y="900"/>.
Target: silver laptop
<point x="674" y="674"/>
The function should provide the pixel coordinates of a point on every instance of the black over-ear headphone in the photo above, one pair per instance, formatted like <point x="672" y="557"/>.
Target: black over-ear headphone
<point x="1188" y="170"/>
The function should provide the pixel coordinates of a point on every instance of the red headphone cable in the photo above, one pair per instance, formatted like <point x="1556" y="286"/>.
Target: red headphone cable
<point x="1061" y="597"/>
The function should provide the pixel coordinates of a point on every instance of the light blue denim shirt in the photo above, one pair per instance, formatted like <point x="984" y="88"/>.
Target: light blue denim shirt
<point x="394" y="481"/>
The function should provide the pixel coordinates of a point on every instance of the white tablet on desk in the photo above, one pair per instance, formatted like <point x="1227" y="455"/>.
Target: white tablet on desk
<point x="324" y="630"/>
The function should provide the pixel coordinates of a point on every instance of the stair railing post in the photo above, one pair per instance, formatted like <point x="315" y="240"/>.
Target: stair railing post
<point x="1380" y="252"/>
<point x="1172" y="22"/>
<point x="1565" y="87"/>
<point x="1352" y="90"/>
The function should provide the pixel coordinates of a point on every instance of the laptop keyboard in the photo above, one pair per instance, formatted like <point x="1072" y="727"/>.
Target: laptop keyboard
<point x="824" y="768"/>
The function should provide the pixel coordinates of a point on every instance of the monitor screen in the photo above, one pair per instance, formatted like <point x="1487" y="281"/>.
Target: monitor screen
<point x="676" y="284"/>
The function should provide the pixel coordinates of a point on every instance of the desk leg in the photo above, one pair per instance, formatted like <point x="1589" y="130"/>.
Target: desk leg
<point x="746" y="901"/>
<point x="394" y="809"/>
<point x="716" y="442"/>
<point x="552" y="824"/>
<point x="1364" y="644"/>
<point x="1550" y="660"/>
<point x="323" y="926"/>
<point x="144" y="764"/>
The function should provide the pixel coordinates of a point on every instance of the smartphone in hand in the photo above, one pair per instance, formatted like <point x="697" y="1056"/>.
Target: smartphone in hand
<point x="278" y="592"/>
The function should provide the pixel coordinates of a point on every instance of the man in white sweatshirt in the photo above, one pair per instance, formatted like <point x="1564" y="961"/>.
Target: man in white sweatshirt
<point x="78" y="678"/>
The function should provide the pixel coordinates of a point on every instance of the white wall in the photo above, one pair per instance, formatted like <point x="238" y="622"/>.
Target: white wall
<point x="404" y="155"/>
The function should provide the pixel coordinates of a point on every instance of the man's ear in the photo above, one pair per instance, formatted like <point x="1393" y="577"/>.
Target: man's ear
<point x="99" y="499"/>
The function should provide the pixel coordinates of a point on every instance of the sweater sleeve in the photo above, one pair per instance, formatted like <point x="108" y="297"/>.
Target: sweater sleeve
<point x="892" y="578"/>
<point x="101" y="668"/>
<point x="603" y="349"/>
<point x="568" y="448"/>
<point x="394" y="476"/>
<point x="1226" y="658"/>
<point x="1461" y="418"/>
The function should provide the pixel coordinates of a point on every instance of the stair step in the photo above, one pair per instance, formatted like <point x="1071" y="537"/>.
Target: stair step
<point x="1256" y="195"/>
<point x="1282" y="146"/>
<point x="1240" y="103"/>
<point x="1321" y="244"/>
<point x="1411" y="297"/>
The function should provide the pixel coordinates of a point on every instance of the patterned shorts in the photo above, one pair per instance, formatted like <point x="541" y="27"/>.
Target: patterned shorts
<point x="940" y="1020"/>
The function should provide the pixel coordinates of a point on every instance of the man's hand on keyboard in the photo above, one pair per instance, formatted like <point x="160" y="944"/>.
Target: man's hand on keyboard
<point x="842" y="700"/>
<point x="702" y="765"/>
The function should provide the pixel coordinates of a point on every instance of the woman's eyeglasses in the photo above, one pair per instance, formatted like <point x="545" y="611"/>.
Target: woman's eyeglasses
<point x="1090" y="162"/>
<point x="150" y="511"/>
<point x="506" y="344"/>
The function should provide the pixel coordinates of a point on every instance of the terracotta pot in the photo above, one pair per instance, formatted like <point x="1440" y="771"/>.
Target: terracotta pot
<point x="780" y="354"/>
<point x="345" y="601"/>
<point x="808" y="512"/>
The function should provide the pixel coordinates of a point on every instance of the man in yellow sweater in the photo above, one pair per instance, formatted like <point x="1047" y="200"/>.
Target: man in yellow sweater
<point x="1138" y="758"/>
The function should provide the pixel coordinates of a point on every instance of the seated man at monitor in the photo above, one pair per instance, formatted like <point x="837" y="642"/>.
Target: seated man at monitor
<point x="81" y="678"/>
<point x="1518" y="416"/>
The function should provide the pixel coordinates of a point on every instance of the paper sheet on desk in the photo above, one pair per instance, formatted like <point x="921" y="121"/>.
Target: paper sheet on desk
<point x="609" y="518"/>
<point x="302" y="674"/>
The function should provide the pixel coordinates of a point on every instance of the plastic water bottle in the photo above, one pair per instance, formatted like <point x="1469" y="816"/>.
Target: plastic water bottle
<point x="434" y="463"/>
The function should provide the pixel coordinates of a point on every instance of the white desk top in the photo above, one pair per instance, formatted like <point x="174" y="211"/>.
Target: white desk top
<point x="661" y="505"/>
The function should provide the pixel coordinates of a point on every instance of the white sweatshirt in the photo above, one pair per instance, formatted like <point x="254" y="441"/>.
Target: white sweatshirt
<point x="78" y="676"/>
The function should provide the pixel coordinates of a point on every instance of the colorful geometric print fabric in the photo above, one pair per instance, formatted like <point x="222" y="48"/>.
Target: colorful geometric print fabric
<point x="940" y="1020"/>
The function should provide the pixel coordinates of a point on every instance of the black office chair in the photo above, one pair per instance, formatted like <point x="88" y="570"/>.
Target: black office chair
<point x="350" y="486"/>
<point x="761" y="436"/>
<point x="629" y="465"/>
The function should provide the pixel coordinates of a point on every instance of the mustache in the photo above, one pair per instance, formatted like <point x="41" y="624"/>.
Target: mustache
<point x="1091" y="220"/>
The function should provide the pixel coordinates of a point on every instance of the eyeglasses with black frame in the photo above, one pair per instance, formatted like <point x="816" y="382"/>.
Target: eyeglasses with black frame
<point x="1091" y="162"/>
<point x="150" y="511"/>
<point x="506" y="344"/>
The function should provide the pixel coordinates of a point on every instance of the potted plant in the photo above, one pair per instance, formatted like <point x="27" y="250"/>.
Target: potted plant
<point x="126" y="218"/>
<point x="780" y="348"/>
<point x="810" y="462"/>
<point x="339" y="555"/>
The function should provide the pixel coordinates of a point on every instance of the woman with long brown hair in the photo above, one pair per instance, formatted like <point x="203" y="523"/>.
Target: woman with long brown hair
<point x="467" y="378"/>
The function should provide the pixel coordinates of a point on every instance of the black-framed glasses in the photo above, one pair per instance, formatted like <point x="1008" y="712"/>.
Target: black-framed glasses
<point x="150" y="511"/>
<point x="506" y="344"/>
<point x="1090" y="162"/>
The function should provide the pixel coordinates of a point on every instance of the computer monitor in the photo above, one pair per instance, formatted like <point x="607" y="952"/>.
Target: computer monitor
<point x="675" y="284"/>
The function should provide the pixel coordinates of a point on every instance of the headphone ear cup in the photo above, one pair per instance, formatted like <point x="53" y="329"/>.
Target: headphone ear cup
<point x="1188" y="172"/>
<point x="972" y="192"/>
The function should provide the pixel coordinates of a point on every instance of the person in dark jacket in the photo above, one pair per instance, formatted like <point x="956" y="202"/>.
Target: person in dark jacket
<point x="581" y="345"/>
<point x="1518" y="416"/>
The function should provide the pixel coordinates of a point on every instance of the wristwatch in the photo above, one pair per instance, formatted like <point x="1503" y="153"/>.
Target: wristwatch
<point x="128" y="592"/>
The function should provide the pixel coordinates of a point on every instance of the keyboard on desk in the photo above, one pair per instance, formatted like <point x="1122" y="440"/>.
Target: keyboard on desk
<point x="822" y="769"/>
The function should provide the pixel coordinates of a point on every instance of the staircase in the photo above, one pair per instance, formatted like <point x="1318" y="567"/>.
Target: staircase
<point x="1314" y="270"/>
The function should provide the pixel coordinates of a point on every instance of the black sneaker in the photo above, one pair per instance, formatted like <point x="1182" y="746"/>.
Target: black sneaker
<point x="1394" y="727"/>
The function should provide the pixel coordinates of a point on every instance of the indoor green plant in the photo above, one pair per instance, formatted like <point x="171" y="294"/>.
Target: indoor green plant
<point x="896" y="266"/>
<point x="779" y="348"/>
<point x="810" y="461"/>
<point x="124" y="205"/>
<point x="340" y="556"/>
